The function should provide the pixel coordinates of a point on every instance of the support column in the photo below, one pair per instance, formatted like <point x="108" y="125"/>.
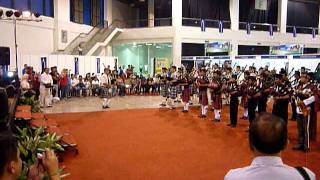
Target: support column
<point x="108" y="11"/>
<point x="177" y="24"/>
<point x="234" y="14"/>
<point x="108" y="50"/>
<point x="151" y="13"/>
<point x="61" y="17"/>
<point x="282" y="15"/>
<point x="319" y="21"/>
<point x="234" y="51"/>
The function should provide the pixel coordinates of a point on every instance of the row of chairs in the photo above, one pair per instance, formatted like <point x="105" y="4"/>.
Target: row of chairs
<point x="36" y="120"/>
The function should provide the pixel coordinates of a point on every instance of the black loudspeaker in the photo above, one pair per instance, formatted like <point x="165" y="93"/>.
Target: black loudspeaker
<point x="317" y="73"/>
<point x="4" y="56"/>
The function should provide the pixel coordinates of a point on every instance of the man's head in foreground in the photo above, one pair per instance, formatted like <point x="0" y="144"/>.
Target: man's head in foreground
<point x="268" y="135"/>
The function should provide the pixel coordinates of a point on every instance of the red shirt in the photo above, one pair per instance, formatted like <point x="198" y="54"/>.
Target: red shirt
<point x="64" y="81"/>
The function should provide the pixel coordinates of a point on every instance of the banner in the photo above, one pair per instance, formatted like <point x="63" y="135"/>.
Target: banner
<point x="261" y="5"/>
<point x="287" y="49"/>
<point x="98" y="65"/>
<point x="76" y="65"/>
<point x="217" y="47"/>
<point x="160" y="63"/>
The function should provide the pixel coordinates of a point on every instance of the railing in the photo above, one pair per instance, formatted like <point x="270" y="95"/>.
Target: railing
<point x="101" y="35"/>
<point x="196" y="22"/>
<point x="141" y="23"/>
<point x="302" y="29"/>
<point x="259" y="26"/>
<point x="83" y="37"/>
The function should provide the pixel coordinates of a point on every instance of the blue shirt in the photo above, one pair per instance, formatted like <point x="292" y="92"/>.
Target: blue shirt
<point x="267" y="168"/>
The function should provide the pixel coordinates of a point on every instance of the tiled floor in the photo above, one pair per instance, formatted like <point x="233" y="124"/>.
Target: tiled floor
<point x="92" y="104"/>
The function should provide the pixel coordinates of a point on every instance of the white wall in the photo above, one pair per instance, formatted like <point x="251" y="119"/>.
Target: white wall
<point x="87" y="64"/>
<point x="36" y="37"/>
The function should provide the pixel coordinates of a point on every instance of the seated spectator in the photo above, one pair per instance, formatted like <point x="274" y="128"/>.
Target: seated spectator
<point x="268" y="136"/>
<point x="74" y="84"/>
<point x="121" y="86"/>
<point x="88" y="84"/>
<point x="95" y="86"/>
<point x="26" y="87"/>
<point x="81" y="87"/>
<point x="11" y="163"/>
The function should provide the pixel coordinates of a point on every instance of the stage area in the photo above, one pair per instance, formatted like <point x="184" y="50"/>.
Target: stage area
<point x="161" y="144"/>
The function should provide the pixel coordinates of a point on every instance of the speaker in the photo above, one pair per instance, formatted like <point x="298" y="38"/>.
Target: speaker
<point x="4" y="56"/>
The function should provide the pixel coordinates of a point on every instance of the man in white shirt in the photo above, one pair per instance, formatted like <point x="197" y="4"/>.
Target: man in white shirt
<point x="105" y="85"/>
<point x="45" y="83"/>
<point x="268" y="135"/>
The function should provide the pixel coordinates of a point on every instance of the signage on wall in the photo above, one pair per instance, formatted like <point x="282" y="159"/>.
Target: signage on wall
<point x="261" y="5"/>
<point x="287" y="49"/>
<point x="64" y="36"/>
<point x="217" y="47"/>
<point x="43" y="63"/>
<point x="76" y="66"/>
<point x="98" y="65"/>
<point x="160" y="63"/>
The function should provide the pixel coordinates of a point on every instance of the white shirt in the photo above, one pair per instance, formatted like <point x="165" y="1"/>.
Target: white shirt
<point x="95" y="82"/>
<point x="45" y="79"/>
<point x="74" y="82"/>
<point x="267" y="168"/>
<point x="105" y="79"/>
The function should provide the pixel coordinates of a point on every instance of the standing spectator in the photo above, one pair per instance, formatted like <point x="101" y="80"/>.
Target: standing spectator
<point x="24" y="70"/>
<point x="55" y="77"/>
<point x="80" y="50"/>
<point x="268" y="136"/>
<point x="45" y="86"/>
<point x="64" y="84"/>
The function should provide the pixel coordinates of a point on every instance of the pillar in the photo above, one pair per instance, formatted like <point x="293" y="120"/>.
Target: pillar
<point x="151" y="13"/>
<point x="234" y="14"/>
<point x="177" y="24"/>
<point x="108" y="11"/>
<point x="61" y="18"/>
<point x="282" y="15"/>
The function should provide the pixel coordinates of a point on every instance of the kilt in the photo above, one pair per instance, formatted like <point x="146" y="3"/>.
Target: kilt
<point x="186" y="95"/>
<point x="216" y="100"/>
<point x="203" y="98"/>
<point x="105" y="92"/>
<point x="173" y="92"/>
<point x="193" y="89"/>
<point x="244" y="101"/>
<point x="164" y="90"/>
<point x="179" y="90"/>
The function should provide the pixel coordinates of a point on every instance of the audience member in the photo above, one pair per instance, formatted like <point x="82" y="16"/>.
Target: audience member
<point x="268" y="136"/>
<point x="11" y="163"/>
<point x="45" y="92"/>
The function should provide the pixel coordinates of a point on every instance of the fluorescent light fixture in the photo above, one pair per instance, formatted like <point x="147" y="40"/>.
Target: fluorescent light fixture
<point x="134" y="43"/>
<point x="149" y="44"/>
<point x="26" y="14"/>
<point x="158" y="47"/>
<point x="169" y="45"/>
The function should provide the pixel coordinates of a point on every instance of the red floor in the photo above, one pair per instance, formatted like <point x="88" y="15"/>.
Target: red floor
<point x="163" y="144"/>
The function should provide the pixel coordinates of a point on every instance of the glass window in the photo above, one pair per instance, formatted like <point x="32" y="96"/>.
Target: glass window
<point x="6" y="3"/>
<point x="22" y="5"/>
<point x="37" y="6"/>
<point x="48" y="8"/>
<point x="76" y="10"/>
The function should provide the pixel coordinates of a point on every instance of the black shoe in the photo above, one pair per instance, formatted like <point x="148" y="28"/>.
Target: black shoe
<point x="229" y="125"/>
<point x="217" y="120"/>
<point x="202" y="116"/>
<point x="163" y="105"/>
<point x="105" y="107"/>
<point x="233" y="126"/>
<point x="184" y="111"/>
<point x="172" y="108"/>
